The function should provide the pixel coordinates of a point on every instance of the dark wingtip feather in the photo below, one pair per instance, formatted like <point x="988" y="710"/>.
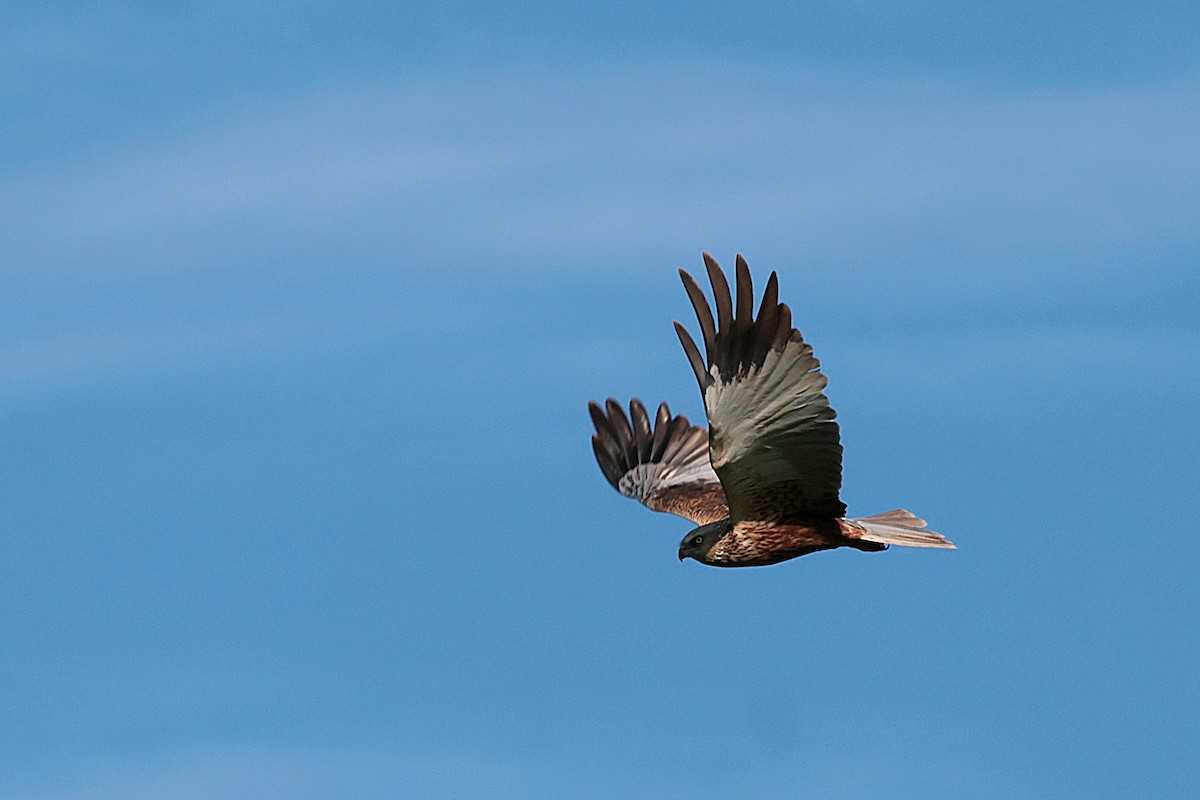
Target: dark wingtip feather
<point x="619" y="422"/>
<point x="662" y="420"/>
<point x="721" y="296"/>
<point x="615" y="412"/>
<point x="708" y="328"/>
<point x="611" y="469"/>
<point x="770" y="298"/>
<point x="642" y="434"/>
<point x="595" y="412"/>
<point x="606" y="436"/>
<point x="783" y="327"/>
<point x="599" y="420"/>
<point x="742" y="339"/>
<point x="745" y="294"/>
<point x="764" y="324"/>
<point x="693" y="354"/>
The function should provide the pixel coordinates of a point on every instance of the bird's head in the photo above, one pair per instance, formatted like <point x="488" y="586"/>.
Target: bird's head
<point x="699" y="541"/>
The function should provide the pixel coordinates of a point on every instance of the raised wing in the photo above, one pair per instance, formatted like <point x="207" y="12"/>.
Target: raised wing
<point x="665" y="468"/>
<point x="773" y="440"/>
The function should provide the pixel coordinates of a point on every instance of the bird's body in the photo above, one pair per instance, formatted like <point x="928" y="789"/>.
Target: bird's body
<point x="754" y="543"/>
<point x="762" y="483"/>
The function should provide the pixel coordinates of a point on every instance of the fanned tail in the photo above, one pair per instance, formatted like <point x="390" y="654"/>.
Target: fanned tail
<point x="896" y="527"/>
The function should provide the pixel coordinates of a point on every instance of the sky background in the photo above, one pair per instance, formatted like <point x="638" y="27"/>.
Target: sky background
<point x="299" y="314"/>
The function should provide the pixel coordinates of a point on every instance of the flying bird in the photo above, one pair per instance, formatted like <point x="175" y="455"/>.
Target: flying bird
<point x="762" y="481"/>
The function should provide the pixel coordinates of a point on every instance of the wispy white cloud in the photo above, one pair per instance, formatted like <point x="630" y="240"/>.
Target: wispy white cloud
<point x="297" y="774"/>
<point x="1009" y="373"/>
<point x="123" y="347"/>
<point x="535" y="168"/>
<point x="294" y="775"/>
<point x="928" y="185"/>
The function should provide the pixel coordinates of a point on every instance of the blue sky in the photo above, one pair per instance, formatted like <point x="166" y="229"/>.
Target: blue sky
<point x="300" y="312"/>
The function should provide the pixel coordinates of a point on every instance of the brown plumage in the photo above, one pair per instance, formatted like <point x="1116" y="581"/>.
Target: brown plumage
<point x="763" y="481"/>
<point x="665" y="468"/>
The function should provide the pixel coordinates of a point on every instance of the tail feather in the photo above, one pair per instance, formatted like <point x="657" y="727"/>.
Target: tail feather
<point x="897" y="527"/>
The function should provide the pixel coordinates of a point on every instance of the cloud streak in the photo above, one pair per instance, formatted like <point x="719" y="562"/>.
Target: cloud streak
<point x="292" y="774"/>
<point x="880" y="184"/>
<point x="535" y="168"/>
<point x="124" y="347"/>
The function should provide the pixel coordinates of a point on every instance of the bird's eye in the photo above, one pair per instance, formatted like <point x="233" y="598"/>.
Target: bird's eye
<point x="699" y="540"/>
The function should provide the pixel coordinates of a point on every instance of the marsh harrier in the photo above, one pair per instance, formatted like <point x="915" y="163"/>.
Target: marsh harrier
<point x="762" y="481"/>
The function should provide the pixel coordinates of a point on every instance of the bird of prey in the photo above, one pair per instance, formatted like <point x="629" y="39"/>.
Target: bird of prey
<point x="762" y="481"/>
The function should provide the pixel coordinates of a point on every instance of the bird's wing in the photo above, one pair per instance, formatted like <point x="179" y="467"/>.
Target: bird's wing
<point x="773" y="440"/>
<point x="665" y="468"/>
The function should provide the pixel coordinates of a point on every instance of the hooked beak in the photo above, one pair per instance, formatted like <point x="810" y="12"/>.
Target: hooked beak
<point x="682" y="556"/>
